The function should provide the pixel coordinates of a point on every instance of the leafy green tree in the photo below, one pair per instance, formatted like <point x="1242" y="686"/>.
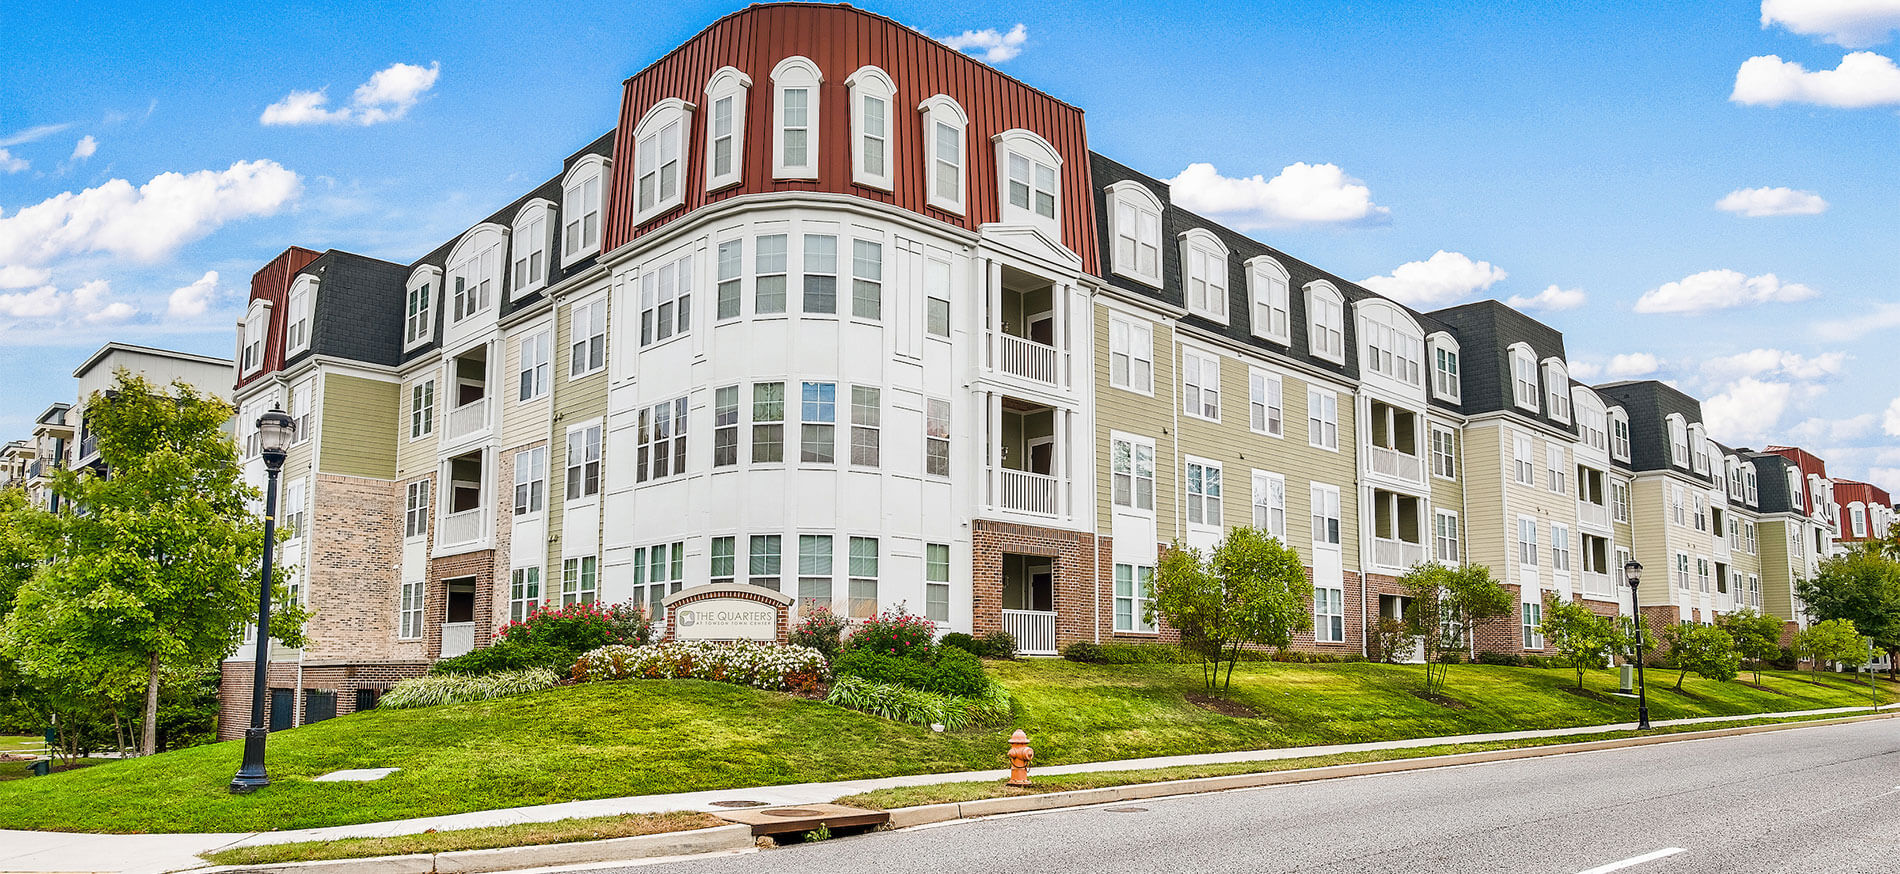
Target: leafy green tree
<point x="153" y="579"/>
<point x="1704" y="649"/>
<point x="1582" y="639"/>
<point x="1251" y="590"/>
<point x="1836" y="640"/>
<point x="1757" y="636"/>
<point x="1862" y="587"/>
<point x="1447" y="605"/>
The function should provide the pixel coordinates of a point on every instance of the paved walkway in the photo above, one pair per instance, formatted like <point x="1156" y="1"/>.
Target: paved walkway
<point x="28" y="851"/>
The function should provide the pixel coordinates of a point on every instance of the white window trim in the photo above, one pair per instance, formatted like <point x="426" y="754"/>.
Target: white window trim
<point x="431" y="276"/>
<point x="1201" y="241"/>
<point x="1261" y="269"/>
<point x="1433" y="343"/>
<point x="1219" y="501"/>
<point x="869" y="81"/>
<point x="300" y="308"/>
<point x="586" y="168"/>
<point x="1133" y="507"/>
<point x="1139" y="197"/>
<point x="1556" y="387"/>
<point x="1314" y="393"/>
<point x="1457" y="536"/>
<point x="1316" y="292"/>
<point x="1431" y="447"/>
<point x="796" y="72"/>
<point x="1267" y="478"/>
<point x="256" y="331"/>
<point x="1521" y="543"/>
<point x="1671" y="423"/>
<point x="1033" y="147"/>
<point x="941" y="108"/>
<point x="1521" y="356"/>
<point x="1267" y="378"/>
<point x="573" y="313"/>
<point x="727" y="82"/>
<point x="1619" y="448"/>
<point x="1316" y="494"/>
<point x="1200" y="357"/>
<point x="1132" y="326"/>
<point x="521" y="239"/>
<point x="672" y="110"/>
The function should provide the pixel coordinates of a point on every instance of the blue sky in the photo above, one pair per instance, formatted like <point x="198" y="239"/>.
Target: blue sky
<point x="1573" y="151"/>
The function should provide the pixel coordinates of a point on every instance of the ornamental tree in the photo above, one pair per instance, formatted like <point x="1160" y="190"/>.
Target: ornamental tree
<point x="1447" y="604"/>
<point x="1757" y="636"/>
<point x="1704" y="649"/>
<point x="1862" y="587"/>
<point x="1835" y="640"/>
<point x="1582" y="639"/>
<point x="152" y="579"/>
<point x="1250" y="590"/>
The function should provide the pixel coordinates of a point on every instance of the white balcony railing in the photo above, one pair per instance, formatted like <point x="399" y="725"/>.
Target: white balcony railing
<point x="467" y="419"/>
<point x="1721" y="546"/>
<point x="1400" y="554"/>
<point x="1598" y="585"/>
<point x="1030" y="492"/>
<point x="1396" y="464"/>
<point x="460" y="528"/>
<point x="1034" y="630"/>
<point x="457" y="638"/>
<point x="1593" y="515"/>
<point x="1027" y="359"/>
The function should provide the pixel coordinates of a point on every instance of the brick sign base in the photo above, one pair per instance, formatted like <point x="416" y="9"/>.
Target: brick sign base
<point x="779" y="602"/>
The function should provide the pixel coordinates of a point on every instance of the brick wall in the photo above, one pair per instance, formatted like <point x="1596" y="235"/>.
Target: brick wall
<point x="234" y="689"/>
<point x="1073" y="567"/>
<point x="784" y="610"/>
<point x="481" y="566"/>
<point x="355" y="567"/>
<point x="1506" y="633"/>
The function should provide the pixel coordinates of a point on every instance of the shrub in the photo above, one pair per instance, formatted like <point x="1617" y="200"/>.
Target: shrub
<point x="999" y="645"/>
<point x="953" y="672"/>
<point x="918" y="707"/>
<point x="553" y="638"/>
<point x="1391" y="641"/>
<point x="504" y="657"/>
<point x="1299" y="657"/>
<point x="460" y="688"/>
<point x="1507" y="659"/>
<point x="761" y="666"/>
<point x="897" y="633"/>
<point x="963" y="642"/>
<point x="1083" y="651"/>
<point x="1787" y="660"/>
<point x="819" y="629"/>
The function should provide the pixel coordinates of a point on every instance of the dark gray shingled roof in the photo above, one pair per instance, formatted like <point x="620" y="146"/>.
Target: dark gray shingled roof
<point x="357" y="313"/>
<point x="1649" y="403"/>
<point x="1486" y="330"/>
<point x="1771" y="480"/>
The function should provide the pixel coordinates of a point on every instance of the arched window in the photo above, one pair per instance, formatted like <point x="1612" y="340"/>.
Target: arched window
<point x="1134" y="221"/>
<point x="1268" y="287"/>
<point x="1446" y="382"/>
<point x="659" y="158"/>
<point x="1556" y="390"/>
<point x="419" y="306"/>
<point x="1699" y="448"/>
<point x="1393" y="347"/>
<point x="795" y="84"/>
<point x="1591" y="422"/>
<point x="1028" y="178"/>
<point x="1678" y="440"/>
<point x="1204" y="274"/>
<point x="725" y="126"/>
<point x="945" y="150"/>
<point x="581" y="197"/>
<point x="298" y="306"/>
<point x="475" y="271"/>
<point x="1619" y="434"/>
<point x="1326" y="321"/>
<point x="1524" y="376"/>
<point x="871" y="92"/>
<point x="533" y="240"/>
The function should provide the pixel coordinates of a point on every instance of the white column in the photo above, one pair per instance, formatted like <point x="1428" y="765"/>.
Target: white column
<point x="993" y="298"/>
<point x="994" y="451"/>
<point x="1062" y="460"/>
<point x="1061" y="332"/>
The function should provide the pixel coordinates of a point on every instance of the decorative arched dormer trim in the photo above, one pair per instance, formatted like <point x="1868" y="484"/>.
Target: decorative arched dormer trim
<point x="1134" y="227"/>
<point x="531" y="247"/>
<point x="1524" y="382"/>
<point x="583" y="198"/>
<point x="422" y="293"/>
<point x="1326" y="321"/>
<point x="726" y="94"/>
<point x="1392" y="341"/>
<point x="1029" y="181"/>
<point x="871" y="91"/>
<point x="1447" y="365"/>
<point x="946" y="153"/>
<point x="659" y="158"/>
<point x="474" y="273"/>
<point x="1557" y="389"/>
<point x="795" y="118"/>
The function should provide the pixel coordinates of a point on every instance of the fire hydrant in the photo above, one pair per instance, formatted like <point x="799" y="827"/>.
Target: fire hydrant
<point x="1019" y="757"/>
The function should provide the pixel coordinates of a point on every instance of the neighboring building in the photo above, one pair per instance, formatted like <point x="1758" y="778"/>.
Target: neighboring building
<point x="15" y="459"/>
<point x="161" y="367"/>
<point x="50" y="447"/>
<point x="1866" y="511"/>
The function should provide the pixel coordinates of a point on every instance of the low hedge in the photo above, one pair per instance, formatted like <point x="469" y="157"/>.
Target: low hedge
<point x="994" y="645"/>
<point x="953" y="671"/>
<point x="1169" y="654"/>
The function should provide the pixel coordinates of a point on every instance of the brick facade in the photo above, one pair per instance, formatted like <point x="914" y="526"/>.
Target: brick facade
<point x="435" y="599"/>
<point x="234" y="690"/>
<point x="355" y="557"/>
<point x="737" y="592"/>
<point x="1072" y="566"/>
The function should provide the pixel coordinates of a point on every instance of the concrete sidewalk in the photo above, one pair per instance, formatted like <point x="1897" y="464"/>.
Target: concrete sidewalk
<point x="29" y="851"/>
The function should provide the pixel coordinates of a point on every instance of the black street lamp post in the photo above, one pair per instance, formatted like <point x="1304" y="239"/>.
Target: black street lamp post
<point x="275" y="430"/>
<point x="1633" y="572"/>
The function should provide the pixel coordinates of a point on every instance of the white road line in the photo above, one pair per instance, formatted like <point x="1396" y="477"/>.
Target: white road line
<point x="1633" y="861"/>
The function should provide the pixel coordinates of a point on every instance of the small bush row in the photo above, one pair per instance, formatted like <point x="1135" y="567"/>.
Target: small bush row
<point x="1511" y="659"/>
<point x="1169" y="654"/>
<point x="434" y="690"/>
<point x="994" y="645"/>
<point x="917" y="707"/>
<point x="553" y="638"/>
<point x="952" y="672"/>
<point x="761" y="666"/>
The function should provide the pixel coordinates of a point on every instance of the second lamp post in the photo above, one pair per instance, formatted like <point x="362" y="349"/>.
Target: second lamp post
<point x="1633" y="572"/>
<point x="275" y="430"/>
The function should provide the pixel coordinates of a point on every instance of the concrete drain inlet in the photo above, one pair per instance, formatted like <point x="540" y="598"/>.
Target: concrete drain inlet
<point x="738" y="804"/>
<point x="792" y="811"/>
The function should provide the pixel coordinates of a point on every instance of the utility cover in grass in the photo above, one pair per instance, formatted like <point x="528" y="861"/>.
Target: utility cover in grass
<point x="357" y="775"/>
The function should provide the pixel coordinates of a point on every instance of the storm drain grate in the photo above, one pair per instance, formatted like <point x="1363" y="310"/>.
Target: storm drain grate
<point x="739" y="804"/>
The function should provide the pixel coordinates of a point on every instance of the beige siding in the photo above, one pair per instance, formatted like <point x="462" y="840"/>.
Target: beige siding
<point x="1119" y="409"/>
<point x="1777" y="580"/>
<point x="359" y="426"/>
<point x="575" y="401"/>
<point x="525" y="422"/>
<point x="418" y="456"/>
<point x="1489" y="539"/>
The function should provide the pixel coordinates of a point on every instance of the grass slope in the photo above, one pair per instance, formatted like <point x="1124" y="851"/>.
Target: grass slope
<point x="644" y="737"/>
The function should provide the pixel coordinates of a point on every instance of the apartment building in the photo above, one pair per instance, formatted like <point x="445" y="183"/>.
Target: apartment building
<point x="1865" y="511"/>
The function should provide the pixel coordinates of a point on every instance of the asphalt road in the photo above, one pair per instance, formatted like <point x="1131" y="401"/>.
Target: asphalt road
<point x="1808" y="800"/>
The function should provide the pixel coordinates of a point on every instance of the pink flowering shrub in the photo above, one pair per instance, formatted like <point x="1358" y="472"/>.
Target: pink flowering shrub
<point x="896" y="633"/>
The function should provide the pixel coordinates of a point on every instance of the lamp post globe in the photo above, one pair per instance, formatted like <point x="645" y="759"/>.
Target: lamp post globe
<point x="275" y="432"/>
<point x="1633" y="574"/>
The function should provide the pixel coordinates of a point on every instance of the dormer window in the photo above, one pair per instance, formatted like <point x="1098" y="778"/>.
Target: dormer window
<point x="1678" y="441"/>
<point x="1699" y="446"/>
<point x="871" y="92"/>
<point x="1326" y="322"/>
<point x="1268" y="289"/>
<point x="659" y="158"/>
<point x="1619" y="435"/>
<point x="256" y="325"/>
<point x="297" y="310"/>
<point x="1392" y="346"/>
<point x="475" y="273"/>
<point x="1446" y="384"/>
<point x="419" y="308"/>
<point x="1523" y="377"/>
<point x="1134" y="217"/>
<point x="1204" y="274"/>
<point x="533" y="239"/>
<point x="1590" y="420"/>
<point x="1028" y="173"/>
<point x="795" y="84"/>
<point x="725" y="126"/>
<point x="580" y="209"/>
<point x="1557" y="390"/>
<point x="1751" y="486"/>
<point x="944" y="149"/>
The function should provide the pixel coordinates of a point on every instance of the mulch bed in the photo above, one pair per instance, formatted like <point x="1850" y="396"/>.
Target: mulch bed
<point x="1223" y="706"/>
<point x="1442" y="701"/>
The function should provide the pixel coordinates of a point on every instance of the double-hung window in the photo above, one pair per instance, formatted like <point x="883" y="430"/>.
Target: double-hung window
<point x="422" y="409"/>
<point x="820" y="274"/>
<point x="524" y="592"/>
<point x="867" y="409"/>
<point x="1269" y="504"/>
<point x="1032" y="185"/>
<point x="587" y="330"/>
<point x="1445" y="536"/>
<point x="768" y="422"/>
<point x="1560" y="548"/>
<point x="867" y="279"/>
<point x="814" y="572"/>
<point x="1533" y="614"/>
<point x="944" y="125"/>
<point x="533" y="374"/>
<point x="580" y="210"/>
<point x="1130" y="355"/>
<point x="419" y="326"/>
<point x="1325" y="500"/>
<point x="764" y="561"/>
<point x="1620" y="502"/>
<point x="1444" y="453"/>
<point x="1271" y="312"/>
<point x="1526" y="541"/>
<point x="583" y="462"/>
<point x="1524" y="377"/>
<point x="530" y="251"/>
<point x="937" y="437"/>
<point x="730" y="261"/>
<point x="1204" y="261"/>
<point x="861" y="567"/>
<point x="1329" y="615"/>
<point x="721" y="562"/>
<point x="1525" y="468"/>
<point x="937" y="298"/>
<point x="416" y="510"/>
<point x="768" y="267"/>
<point x="666" y="300"/>
<point x="726" y="426"/>
<point x="1265" y="408"/>
<point x="1134" y="598"/>
<point x="1557" y="390"/>
<point x="1554" y="474"/>
<point x="1445" y="380"/>
<point x="657" y="160"/>
<point x="725" y="126"/>
<point x="409" y="611"/>
<point x="1132" y="473"/>
<point x="1200" y="384"/>
<point x="1620" y="437"/>
<point x="1322" y="418"/>
<point x="818" y="422"/>
<point x="531" y="481"/>
<point x="871" y="92"/>
<point x="1137" y="233"/>
<point x="662" y="441"/>
<point x="1326" y="322"/>
<point x="795" y="114"/>
<point x="937" y="582"/>
<point x="297" y="335"/>
<point x="580" y="581"/>
<point x="1203" y="493"/>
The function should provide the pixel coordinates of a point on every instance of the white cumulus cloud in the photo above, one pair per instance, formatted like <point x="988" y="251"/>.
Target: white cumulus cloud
<point x="85" y="148"/>
<point x="1890" y="421"/>
<point x="1818" y="430"/>
<point x="1747" y="411"/>
<point x="191" y="300"/>
<point x="1632" y="365"/>
<point x="1719" y="290"/>
<point x="16" y="276"/>
<point x="1552" y="299"/>
<point x="1885" y="477"/>
<point x="1853" y="24"/>
<point x="147" y="222"/>
<point x="11" y="164"/>
<point x="1444" y="278"/>
<point x="1863" y="79"/>
<point x="993" y="46"/>
<point x="90" y="303"/>
<point x="1759" y="202"/>
<point x="1301" y="194"/>
<point x="1775" y="362"/>
<point x="39" y="303"/>
<point x="387" y="96"/>
<point x="1879" y="317"/>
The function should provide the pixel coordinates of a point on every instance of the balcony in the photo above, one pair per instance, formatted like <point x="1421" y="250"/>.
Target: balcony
<point x="1034" y="630"/>
<point x="1598" y="585"/>
<point x="1026" y="492"/>
<point x="1593" y="515"/>
<point x="460" y="529"/>
<point x="1397" y="465"/>
<point x="1400" y="554"/>
<point x="458" y="638"/>
<point x="466" y="420"/>
<point x="1721" y="547"/>
<point x="1028" y="359"/>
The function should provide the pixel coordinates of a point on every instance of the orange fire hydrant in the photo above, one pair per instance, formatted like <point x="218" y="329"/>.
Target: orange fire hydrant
<point x="1019" y="757"/>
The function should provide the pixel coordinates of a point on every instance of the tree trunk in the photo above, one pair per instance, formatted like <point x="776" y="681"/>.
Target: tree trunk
<point x="148" y="741"/>
<point x="1893" y="664"/>
<point x="1679" y="678"/>
<point x="118" y="730"/>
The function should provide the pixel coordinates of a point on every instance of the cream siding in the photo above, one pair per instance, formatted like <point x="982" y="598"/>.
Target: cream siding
<point x="357" y="434"/>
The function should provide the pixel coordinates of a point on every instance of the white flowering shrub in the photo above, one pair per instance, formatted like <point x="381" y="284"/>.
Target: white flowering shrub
<point x="762" y="666"/>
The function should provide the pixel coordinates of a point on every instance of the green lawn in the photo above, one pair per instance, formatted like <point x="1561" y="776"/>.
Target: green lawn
<point x="642" y="737"/>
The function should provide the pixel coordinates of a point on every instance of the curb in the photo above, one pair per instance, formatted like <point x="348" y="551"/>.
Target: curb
<point x="686" y="843"/>
<point x="906" y="817"/>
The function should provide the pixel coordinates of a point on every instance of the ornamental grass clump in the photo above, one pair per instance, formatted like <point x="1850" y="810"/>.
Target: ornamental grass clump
<point x="918" y="707"/>
<point x="441" y="689"/>
<point x="762" y="666"/>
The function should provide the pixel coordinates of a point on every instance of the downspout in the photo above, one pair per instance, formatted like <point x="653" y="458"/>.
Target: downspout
<point x="1358" y="489"/>
<point x="1095" y="510"/>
